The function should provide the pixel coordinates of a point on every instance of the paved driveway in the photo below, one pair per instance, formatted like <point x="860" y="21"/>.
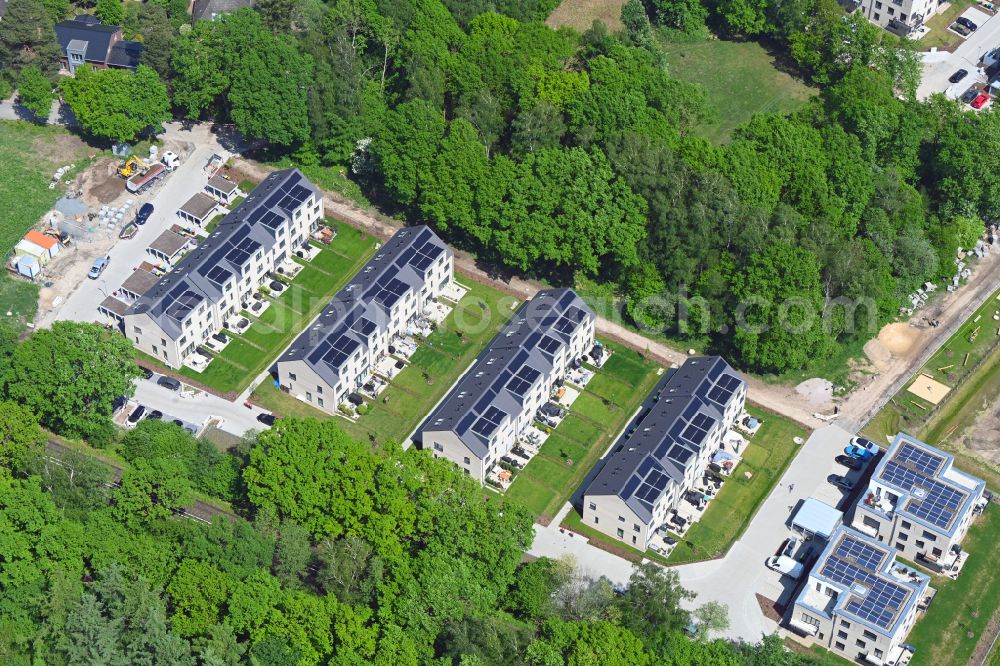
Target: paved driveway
<point x="177" y="188"/>
<point x="939" y="66"/>
<point x="236" y="419"/>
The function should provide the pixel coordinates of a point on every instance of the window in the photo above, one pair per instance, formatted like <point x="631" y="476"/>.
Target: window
<point x="892" y="12"/>
<point x="841" y="634"/>
<point x="878" y="653"/>
<point x="319" y="401"/>
<point x="920" y="544"/>
<point x="596" y="520"/>
<point x="633" y="540"/>
<point x="438" y="447"/>
<point x="878" y="5"/>
<point x="845" y="624"/>
<point x="621" y="533"/>
<point x="869" y="635"/>
<point x="905" y="525"/>
<point x="838" y="644"/>
<point x="636" y="528"/>
<point x="871" y="522"/>
<point x="466" y="460"/>
<point x="877" y="18"/>
<point x="291" y="375"/>
<point x="309" y="396"/>
<point x="319" y="389"/>
<point x="936" y="551"/>
<point x="163" y="341"/>
<point x="593" y="506"/>
<point x="809" y="619"/>
<point x="155" y="350"/>
<point x="621" y="519"/>
<point x="860" y="643"/>
<point x="929" y="536"/>
<point x="903" y="536"/>
<point x="900" y="545"/>
<point x="137" y="330"/>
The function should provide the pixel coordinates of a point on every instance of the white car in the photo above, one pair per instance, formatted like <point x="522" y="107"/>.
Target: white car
<point x="785" y="565"/>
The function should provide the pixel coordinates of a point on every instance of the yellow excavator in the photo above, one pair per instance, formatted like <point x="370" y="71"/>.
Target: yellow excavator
<point x="132" y="166"/>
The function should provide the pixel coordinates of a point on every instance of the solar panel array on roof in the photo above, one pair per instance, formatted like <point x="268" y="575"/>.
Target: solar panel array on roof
<point x="913" y="470"/>
<point x="881" y="604"/>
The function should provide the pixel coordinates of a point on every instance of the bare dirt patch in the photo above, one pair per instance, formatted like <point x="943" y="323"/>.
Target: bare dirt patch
<point x="60" y="148"/>
<point x="877" y="353"/>
<point x="101" y="184"/>
<point x="581" y="14"/>
<point x="816" y="391"/>
<point x="983" y="438"/>
<point x="898" y="338"/>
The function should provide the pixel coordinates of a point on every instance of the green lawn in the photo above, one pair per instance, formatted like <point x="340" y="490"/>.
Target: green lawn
<point x="770" y="452"/>
<point x="19" y="298"/>
<point x="577" y="443"/>
<point x="250" y="353"/>
<point x="412" y="393"/>
<point x="626" y="365"/>
<point x="940" y="37"/>
<point x="961" y="610"/>
<point x="740" y="79"/>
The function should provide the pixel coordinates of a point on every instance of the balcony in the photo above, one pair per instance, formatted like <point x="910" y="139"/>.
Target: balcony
<point x="879" y="506"/>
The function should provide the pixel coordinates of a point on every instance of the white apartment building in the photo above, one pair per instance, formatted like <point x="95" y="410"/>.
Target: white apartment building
<point x="218" y="278"/>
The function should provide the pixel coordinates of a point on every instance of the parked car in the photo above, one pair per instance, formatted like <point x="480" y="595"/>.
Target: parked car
<point x="169" y="383"/>
<point x="99" y="265"/>
<point x="178" y="423"/>
<point x="156" y="415"/>
<point x="958" y="76"/>
<point x="786" y="566"/>
<point x="146" y="372"/>
<point x="266" y="419"/>
<point x="969" y="95"/>
<point x="854" y="451"/>
<point x="142" y="215"/>
<point x="118" y="403"/>
<point x="968" y="23"/>
<point x="961" y="29"/>
<point x="136" y="414"/>
<point x="789" y="547"/>
<point x="840" y="481"/>
<point x="980" y="101"/>
<point x="850" y="463"/>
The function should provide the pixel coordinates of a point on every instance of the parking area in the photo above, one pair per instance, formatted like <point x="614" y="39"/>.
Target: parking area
<point x="940" y="65"/>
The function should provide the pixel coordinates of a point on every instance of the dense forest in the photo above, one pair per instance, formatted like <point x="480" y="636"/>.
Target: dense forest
<point x="333" y="553"/>
<point x="572" y="157"/>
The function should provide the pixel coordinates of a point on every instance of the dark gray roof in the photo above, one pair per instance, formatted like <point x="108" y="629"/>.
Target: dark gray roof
<point x="221" y="184"/>
<point x="199" y="206"/>
<point x="97" y="36"/>
<point x="250" y="227"/>
<point x="209" y="9"/>
<point x="664" y="440"/>
<point x="139" y="282"/>
<point x="125" y="54"/>
<point x="360" y="310"/>
<point x="112" y="304"/>
<point x="521" y="355"/>
<point x="169" y="243"/>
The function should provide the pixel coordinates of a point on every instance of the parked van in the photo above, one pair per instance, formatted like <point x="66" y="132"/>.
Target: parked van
<point x="786" y="566"/>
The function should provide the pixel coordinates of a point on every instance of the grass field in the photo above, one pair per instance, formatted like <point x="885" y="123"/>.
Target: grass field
<point x="29" y="155"/>
<point x="940" y="37"/>
<point x="961" y="610"/>
<point x="740" y="79"/>
<point x="434" y="367"/>
<point x="595" y="420"/>
<point x="770" y="452"/>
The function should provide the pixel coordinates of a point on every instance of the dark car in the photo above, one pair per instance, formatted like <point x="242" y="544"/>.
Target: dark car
<point x="961" y="29"/>
<point x="276" y="286"/>
<point x="969" y="95"/>
<point x="958" y="76"/>
<point x="146" y="372"/>
<point x="118" y="403"/>
<point x="971" y="25"/>
<point x="136" y="414"/>
<point x="849" y="462"/>
<point x="840" y="481"/>
<point x="156" y="415"/>
<point x="169" y="383"/>
<point x="142" y="215"/>
<point x="178" y="423"/>
<point x="266" y="419"/>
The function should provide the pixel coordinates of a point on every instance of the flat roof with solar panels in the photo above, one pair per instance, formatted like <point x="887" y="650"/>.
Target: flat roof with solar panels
<point x="664" y="440"/>
<point x="931" y="491"/>
<point x="227" y="251"/>
<point x="362" y="308"/>
<point x="874" y="590"/>
<point x="493" y="391"/>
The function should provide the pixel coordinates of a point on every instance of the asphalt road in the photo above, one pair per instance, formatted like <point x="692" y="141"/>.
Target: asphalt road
<point x="198" y="409"/>
<point x="939" y="66"/>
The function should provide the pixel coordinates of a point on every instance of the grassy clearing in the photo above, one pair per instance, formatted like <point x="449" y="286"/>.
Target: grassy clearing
<point x="770" y="452"/>
<point x="577" y="443"/>
<point x="581" y="14"/>
<point x="740" y="79"/>
<point x="939" y="36"/>
<point x="961" y="610"/>
<point x="19" y="298"/>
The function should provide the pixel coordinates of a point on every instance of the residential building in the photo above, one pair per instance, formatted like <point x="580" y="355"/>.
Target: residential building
<point x="919" y="503"/>
<point x="490" y="406"/>
<point x="84" y="39"/>
<point x="169" y="247"/>
<point x="222" y="189"/>
<point x="199" y="209"/>
<point x="858" y="601"/>
<point x="665" y="450"/>
<point x="339" y="351"/>
<point x="901" y="17"/>
<point x="218" y="278"/>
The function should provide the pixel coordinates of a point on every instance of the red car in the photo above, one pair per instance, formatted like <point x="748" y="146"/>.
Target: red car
<point x="980" y="101"/>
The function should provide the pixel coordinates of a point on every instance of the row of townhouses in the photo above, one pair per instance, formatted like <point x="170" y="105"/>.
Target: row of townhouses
<point x="495" y="401"/>
<point x="338" y="352"/>
<point x="218" y="279"/>
<point x="858" y="599"/>
<point x="665" y="450"/>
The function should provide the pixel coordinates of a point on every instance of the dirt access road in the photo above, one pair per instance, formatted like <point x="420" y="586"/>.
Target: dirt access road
<point x="950" y="308"/>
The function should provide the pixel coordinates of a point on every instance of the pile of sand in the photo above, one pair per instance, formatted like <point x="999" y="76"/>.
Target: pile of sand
<point x="878" y="354"/>
<point x="898" y="338"/>
<point x="816" y="391"/>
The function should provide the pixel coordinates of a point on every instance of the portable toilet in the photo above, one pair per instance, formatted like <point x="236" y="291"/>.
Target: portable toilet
<point x="28" y="266"/>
